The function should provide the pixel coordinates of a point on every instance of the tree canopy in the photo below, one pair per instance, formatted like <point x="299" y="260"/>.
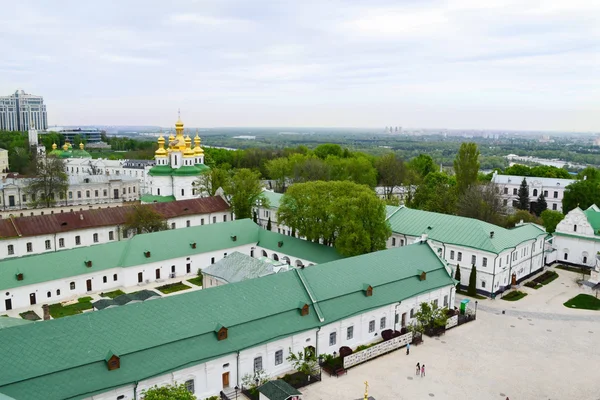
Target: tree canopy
<point x="243" y="191"/>
<point x="581" y="194"/>
<point x="342" y="214"/>
<point x="49" y="184"/>
<point x="543" y="171"/>
<point x="142" y="218"/>
<point x="168" y="392"/>
<point x="550" y="219"/>
<point x="466" y="166"/>
<point x="437" y="193"/>
<point x="211" y="180"/>
<point x="392" y="172"/>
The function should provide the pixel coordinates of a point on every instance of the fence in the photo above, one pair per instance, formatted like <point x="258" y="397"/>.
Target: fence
<point x="377" y="350"/>
<point x="452" y="322"/>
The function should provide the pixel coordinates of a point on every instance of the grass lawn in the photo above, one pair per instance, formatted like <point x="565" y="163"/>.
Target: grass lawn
<point x="59" y="311"/>
<point x="514" y="296"/>
<point x="173" y="287"/>
<point x="585" y="271"/>
<point x="112" y="294"/>
<point x="477" y="296"/>
<point x="196" y="281"/>
<point x="546" y="277"/>
<point x="584" y="302"/>
<point x="30" y="315"/>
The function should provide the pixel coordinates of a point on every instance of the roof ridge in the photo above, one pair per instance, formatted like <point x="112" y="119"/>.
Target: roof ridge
<point x="310" y="295"/>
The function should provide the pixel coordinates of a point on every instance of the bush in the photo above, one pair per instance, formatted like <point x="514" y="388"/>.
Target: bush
<point x="514" y="296"/>
<point x="387" y="334"/>
<point x="546" y="277"/>
<point x="345" y="351"/>
<point x="531" y="284"/>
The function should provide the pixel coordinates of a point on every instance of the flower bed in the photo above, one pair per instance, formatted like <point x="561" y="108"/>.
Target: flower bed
<point x="533" y="285"/>
<point x="173" y="287"/>
<point x="59" y="311"/>
<point x="113" y="294"/>
<point x="546" y="277"/>
<point x="514" y="296"/>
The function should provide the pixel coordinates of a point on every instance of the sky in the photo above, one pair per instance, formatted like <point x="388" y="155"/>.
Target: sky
<point x="457" y="64"/>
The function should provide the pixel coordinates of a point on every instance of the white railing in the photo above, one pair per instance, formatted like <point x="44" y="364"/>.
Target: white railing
<point x="452" y="322"/>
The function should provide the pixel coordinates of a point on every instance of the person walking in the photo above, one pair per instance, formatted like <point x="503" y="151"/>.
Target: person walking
<point x="407" y="348"/>
<point x="418" y="368"/>
<point x="423" y="371"/>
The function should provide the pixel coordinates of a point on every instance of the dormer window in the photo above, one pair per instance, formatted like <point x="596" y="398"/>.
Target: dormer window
<point x="368" y="290"/>
<point x="193" y="245"/>
<point x="112" y="361"/>
<point x="147" y="254"/>
<point x="422" y="275"/>
<point x="221" y="332"/>
<point x="304" y="309"/>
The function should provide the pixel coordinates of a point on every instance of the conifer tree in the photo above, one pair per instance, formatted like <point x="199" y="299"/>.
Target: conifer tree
<point x="523" y="201"/>
<point x="472" y="290"/>
<point x="457" y="273"/>
<point x="269" y="224"/>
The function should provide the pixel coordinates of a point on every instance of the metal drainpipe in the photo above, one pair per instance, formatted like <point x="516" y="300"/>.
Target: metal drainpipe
<point x="237" y="369"/>
<point x="494" y="275"/>
<point x="531" y="256"/>
<point x="317" y="343"/>
<point x="135" y="390"/>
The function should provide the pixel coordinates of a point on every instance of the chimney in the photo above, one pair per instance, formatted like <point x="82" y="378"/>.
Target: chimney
<point x="46" y="310"/>
<point x="491" y="234"/>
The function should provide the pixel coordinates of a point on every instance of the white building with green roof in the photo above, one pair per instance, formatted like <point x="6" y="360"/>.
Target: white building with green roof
<point x="209" y="339"/>
<point x="577" y="237"/>
<point x="177" y="168"/>
<point x="67" y="274"/>
<point x="503" y="257"/>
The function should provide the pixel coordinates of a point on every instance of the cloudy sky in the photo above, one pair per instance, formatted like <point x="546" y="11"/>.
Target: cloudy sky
<point x="523" y="64"/>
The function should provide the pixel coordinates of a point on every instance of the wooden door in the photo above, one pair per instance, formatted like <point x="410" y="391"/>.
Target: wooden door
<point x="225" y="380"/>
<point x="8" y="304"/>
<point x="157" y="273"/>
<point x="403" y="320"/>
<point x="140" y="277"/>
<point x="89" y="285"/>
<point x="514" y="279"/>
<point x="32" y="298"/>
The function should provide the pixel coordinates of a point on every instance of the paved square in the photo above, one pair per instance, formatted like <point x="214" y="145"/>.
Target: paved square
<point x="537" y="350"/>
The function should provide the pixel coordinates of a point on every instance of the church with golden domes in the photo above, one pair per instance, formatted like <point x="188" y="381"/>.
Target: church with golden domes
<point x="177" y="168"/>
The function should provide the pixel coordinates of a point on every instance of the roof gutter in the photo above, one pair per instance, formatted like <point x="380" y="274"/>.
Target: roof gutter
<point x="312" y="299"/>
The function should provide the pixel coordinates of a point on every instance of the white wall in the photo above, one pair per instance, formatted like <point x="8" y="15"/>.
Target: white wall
<point x="582" y="247"/>
<point x="208" y="376"/>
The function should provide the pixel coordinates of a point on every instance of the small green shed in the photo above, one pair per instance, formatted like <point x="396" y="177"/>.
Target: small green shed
<point x="278" y="390"/>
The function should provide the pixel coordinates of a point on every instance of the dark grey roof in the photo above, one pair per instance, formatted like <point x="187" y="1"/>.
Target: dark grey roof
<point x="123" y="299"/>
<point x="278" y="390"/>
<point x="237" y="267"/>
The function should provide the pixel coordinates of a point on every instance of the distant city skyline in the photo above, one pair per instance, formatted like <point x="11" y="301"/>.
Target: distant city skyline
<point x="457" y="64"/>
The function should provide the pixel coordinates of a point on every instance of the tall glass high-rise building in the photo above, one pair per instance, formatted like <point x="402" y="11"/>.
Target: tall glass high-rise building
<point x="20" y="111"/>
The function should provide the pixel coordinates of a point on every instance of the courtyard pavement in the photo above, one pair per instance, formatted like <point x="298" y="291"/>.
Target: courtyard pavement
<point x="538" y="349"/>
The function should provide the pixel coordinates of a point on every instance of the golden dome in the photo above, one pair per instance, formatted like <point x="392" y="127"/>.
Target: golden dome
<point x="197" y="149"/>
<point x="66" y="146"/>
<point x="81" y="145"/>
<point x="54" y="146"/>
<point x="188" y="147"/>
<point x="161" y="152"/>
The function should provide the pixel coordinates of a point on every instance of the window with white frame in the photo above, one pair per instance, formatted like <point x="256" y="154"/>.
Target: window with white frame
<point x="332" y="338"/>
<point x="482" y="284"/>
<point x="452" y="254"/>
<point x="435" y="303"/>
<point x="393" y="241"/>
<point x="401" y="242"/>
<point x="111" y="235"/>
<point x="446" y="301"/>
<point x="189" y="385"/>
<point x="29" y="247"/>
<point x="349" y="332"/>
<point x="372" y="326"/>
<point x="95" y="238"/>
<point x="382" y="323"/>
<point x="11" y="249"/>
<point x="279" y="357"/>
<point x="61" y="242"/>
<point x="459" y="256"/>
<point x="484" y="262"/>
<point x="473" y="260"/>
<point x="48" y="246"/>
<point x="77" y="240"/>
<point x="72" y="285"/>
<point x="258" y="364"/>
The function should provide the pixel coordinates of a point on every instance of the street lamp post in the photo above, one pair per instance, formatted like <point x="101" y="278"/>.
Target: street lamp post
<point x="236" y="390"/>
<point x="476" y="309"/>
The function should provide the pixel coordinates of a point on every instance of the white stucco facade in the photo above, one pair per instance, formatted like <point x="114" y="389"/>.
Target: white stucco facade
<point x="575" y="239"/>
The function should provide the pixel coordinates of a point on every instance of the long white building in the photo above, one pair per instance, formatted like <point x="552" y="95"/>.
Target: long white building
<point x="63" y="275"/>
<point x="41" y="234"/>
<point x="552" y="188"/>
<point x="210" y="339"/>
<point x="502" y="257"/>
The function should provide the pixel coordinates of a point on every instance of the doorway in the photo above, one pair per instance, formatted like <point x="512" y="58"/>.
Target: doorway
<point x="513" y="280"/>
<point x="403" y="322"/>
<point x="32" y="298"/>
<point x="8" y="304"/>
<point x="89" y="285"/>
<point x="140" y="277"/>
<point x="157" y="273"/>
<point x="225" y="380"/>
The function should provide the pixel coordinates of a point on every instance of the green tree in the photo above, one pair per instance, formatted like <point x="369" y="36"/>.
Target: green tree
<point x="211" y="180"/>
<point x="356" y="169"/>
<point x="437" y="193"/>
<point x="19" y="159"/>
<point x="303" y="362"/>
<point x="523" y="193"/>
<point x="541" y="205"/>
<point x="472" y="289"/>
<point x="482" y="202"/>
<point x="49" y="184"/>
<point x="430" y="316"/>
<point x="457" y="273"/>
<point x="581" y="194"/>
<point x="142" y="218"/>
<point x="243" y="191"/>
<point x="466" y="166"/>
<point x="308" y="168"/>
<point x="342" y="214"/>
<point x="521" y="215"/>
<point x="280" y="170"/>
<point x="168" y="392"/>
<point x="550" y="219"/>
<point x="422" y="165"/>
<point x="325" y="150"/>
<point x="589" y="173"/>
<point x="392" y="173"/>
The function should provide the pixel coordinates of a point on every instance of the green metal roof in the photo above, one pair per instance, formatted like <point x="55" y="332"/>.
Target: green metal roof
<point x="8" y="322"/>
<point x="164" y="245"/>
<point x="273" y="197"/>
<point x="295" y="247"/>
<point x="593" y="216"/>
<point x="167" y="170"/>
<point x="278" y="390"/>
<point x="65" y="358"/>
<point x="161" y="170"/>
<point x="148" y="198"/>
<point x="468" y="232"/>
<point x="390" y="210"/>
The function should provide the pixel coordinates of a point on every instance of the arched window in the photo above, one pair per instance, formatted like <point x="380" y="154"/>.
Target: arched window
<point x="58" y="292"/>
<point x="535" y="192"/>
<point x="72" y="285"/>
<point x="49" y="294"/>
<point x="275" y="257"/>
<point x="264" y="253"/>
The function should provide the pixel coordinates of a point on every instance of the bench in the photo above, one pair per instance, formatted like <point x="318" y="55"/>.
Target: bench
<point x="340" y="371"/>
